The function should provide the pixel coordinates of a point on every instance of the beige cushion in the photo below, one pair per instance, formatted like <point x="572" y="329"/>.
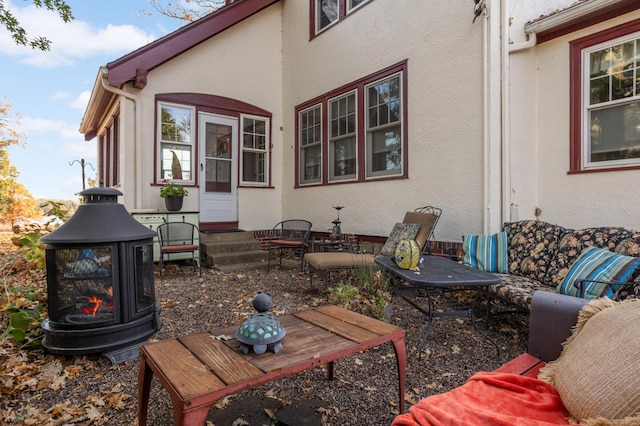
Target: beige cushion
<point x="426" y="222"/>
<point x="598" y="373"/>
<point x="339" y="260"/>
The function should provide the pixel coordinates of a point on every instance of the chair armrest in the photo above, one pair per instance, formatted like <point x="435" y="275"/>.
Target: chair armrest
<point x="580" y="285"/>
<point x="551" y="322"/>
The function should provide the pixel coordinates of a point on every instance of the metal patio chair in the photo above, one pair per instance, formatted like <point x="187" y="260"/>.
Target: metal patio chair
<point x="179" y="237"/>
<point x="290" y="236"/>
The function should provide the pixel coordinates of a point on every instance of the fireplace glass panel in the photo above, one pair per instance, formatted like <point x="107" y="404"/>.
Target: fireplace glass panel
<point x="84" y="290"/>
<point x="145" y="295"/>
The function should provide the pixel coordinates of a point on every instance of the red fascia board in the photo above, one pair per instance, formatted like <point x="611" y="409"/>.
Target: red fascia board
<point x="601" y="15"/>
<point x="158" y="52"/>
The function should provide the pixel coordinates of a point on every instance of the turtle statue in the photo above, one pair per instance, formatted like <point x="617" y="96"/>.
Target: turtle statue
<point x="261" y="331"/>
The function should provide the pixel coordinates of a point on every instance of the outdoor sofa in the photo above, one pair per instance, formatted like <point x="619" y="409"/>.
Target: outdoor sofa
<point x="581" y="366"/>
<point x="532" y="255"/>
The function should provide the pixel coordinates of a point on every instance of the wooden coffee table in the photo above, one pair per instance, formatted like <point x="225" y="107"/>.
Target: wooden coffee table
<point x="201" y="368"/>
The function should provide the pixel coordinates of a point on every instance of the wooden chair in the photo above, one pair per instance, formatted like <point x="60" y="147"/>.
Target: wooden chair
<point x="290" y="236"/>
<point x="179" y="237"/>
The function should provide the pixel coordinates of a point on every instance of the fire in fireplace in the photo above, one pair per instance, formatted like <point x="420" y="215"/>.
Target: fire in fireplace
<point x="100" y="285"/>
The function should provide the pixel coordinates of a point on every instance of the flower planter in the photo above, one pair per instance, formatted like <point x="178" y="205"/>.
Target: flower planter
<point x="173" y="203"/>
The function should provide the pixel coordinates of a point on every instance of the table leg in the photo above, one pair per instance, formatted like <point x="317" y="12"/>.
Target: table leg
<point x="196" y="417"/>
<point x="145" y="374"/>
<point x="329" y="367"/>
<point x="401" y="361"/>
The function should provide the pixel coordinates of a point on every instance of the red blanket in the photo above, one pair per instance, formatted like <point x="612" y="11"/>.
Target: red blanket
<point x="490" y="398"/>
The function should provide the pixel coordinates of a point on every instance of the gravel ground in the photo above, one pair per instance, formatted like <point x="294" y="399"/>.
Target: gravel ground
<point x="365" y="386"/>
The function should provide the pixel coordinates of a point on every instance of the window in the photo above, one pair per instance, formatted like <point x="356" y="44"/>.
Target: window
<point x="310" y="139"/>
<point x="328" y="12"/>
<point x="255" y="151"/>
<point x="109" y="157"/>
<point x="342" y="138"/>
<point x="384" y="128"/>
<point x="361" y="137"/>
<point x="605" y="118"/>
<point x="176" y="142"/>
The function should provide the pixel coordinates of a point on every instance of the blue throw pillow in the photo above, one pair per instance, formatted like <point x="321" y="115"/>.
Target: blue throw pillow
<point x="486" y="252"/>
<point x="600" y="265"/>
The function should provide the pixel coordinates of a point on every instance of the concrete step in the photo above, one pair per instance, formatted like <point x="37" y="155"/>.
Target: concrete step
<point x="219" y="237"/>
<point x="231" y="246"/>
<point x="252" y="256"/>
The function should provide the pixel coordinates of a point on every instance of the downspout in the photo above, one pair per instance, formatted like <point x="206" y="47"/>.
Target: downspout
<point x="486" y="135"/>
<point x="137" y="132"/>
<point x="509" y="212"/>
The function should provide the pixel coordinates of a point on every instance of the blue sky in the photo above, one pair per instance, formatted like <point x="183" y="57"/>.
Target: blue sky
<point x="49" y="90"/>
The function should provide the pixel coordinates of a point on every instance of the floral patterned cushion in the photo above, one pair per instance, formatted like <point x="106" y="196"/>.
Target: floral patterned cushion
<point x="532" y="246"/>
<point x="517" y="290"/>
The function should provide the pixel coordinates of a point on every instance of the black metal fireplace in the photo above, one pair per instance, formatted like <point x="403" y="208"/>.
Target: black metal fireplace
<point x="100" y="281"/>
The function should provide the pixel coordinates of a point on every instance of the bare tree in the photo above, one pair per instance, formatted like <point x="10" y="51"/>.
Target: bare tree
<point x="187" y="10"/>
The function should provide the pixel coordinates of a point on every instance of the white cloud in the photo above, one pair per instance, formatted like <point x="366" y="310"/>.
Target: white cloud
<point x="78" y="102"/>
<point x="70" y="41"/>
<point x="64" y="138"/>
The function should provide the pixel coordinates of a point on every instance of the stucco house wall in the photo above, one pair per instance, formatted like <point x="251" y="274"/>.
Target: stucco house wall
<point x="242" y="63"/>
<point x="540" y="144"/>
<point x="444" y="53"/>
<point x="487" y="116"/>
<point x="582" y="199"/>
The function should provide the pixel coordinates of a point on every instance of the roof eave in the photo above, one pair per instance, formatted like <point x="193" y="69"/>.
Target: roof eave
<point x="146" y="58"/>
<point x="98" y="103"/>
<point x="580" y="15"/>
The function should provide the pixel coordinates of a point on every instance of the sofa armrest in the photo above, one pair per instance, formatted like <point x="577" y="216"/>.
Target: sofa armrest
<point x="551" y="321"/>
<point x="582" y="284"/>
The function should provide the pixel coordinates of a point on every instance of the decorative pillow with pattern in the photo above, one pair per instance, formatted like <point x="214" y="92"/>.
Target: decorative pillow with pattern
<point x="486" y="252"/>
<point x="400" y="231"/>
<point x="599" y="267"/>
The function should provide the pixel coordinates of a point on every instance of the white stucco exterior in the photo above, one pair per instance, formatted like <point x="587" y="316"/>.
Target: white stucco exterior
<point x="487" y="116"/>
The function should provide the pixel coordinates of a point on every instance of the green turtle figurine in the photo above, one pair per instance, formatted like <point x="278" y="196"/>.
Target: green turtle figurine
<point x="261" y="330"/>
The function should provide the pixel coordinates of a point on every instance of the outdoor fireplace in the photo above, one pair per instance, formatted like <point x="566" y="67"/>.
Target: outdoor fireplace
<point x="100" y="287"/>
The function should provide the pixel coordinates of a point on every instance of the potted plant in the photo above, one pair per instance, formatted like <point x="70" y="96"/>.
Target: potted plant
<point x="173" y="194"/>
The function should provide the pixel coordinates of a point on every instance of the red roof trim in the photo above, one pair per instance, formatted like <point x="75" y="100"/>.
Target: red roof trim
<point x="160" y="51"/>
<point x="600" y="15"/>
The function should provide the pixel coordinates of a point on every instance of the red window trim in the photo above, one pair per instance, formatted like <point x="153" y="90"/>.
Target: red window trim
<point x="575" y="92"/>
<point x="358" y="85"/>
<point x="216" y="105"/>
<point x="342" y="15"/>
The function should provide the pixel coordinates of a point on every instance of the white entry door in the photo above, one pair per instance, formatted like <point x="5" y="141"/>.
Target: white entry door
<point x="218" y="136"/>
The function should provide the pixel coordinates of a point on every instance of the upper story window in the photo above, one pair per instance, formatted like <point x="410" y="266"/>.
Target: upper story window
<point x="328" y="12"/>
<point x="605" y="118"/>
<point x="360" y="137"/>
<point x="255" y="151"/>
<point x="175" y="133"/>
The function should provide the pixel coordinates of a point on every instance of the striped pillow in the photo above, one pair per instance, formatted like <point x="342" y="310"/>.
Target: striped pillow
<point x="486" y="252"/>
<point x="600" y="265"/>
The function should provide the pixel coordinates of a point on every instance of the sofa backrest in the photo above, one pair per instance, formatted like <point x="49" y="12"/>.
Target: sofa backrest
<point x="532" y="247"/>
